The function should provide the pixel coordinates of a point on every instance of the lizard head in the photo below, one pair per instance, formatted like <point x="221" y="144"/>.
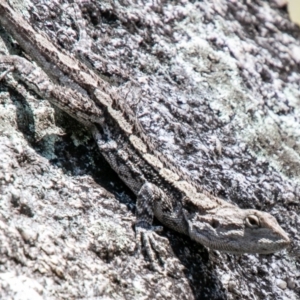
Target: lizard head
<point x="235" y="230"/>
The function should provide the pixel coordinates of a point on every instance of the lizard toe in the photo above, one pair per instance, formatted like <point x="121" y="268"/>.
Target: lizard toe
<point x="156" y="249"/>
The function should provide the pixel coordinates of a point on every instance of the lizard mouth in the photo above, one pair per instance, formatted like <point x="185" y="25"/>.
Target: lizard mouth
<point x="236" y="246"/>
<point x="270" y="247"/>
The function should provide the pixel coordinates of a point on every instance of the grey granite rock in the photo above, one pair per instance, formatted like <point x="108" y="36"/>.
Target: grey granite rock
<point x="216" y="86"/>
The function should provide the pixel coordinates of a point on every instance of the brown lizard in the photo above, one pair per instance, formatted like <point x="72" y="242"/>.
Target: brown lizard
<point x="162" y="191"/>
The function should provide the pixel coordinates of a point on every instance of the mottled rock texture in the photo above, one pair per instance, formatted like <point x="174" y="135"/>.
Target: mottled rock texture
<point x="216" y="85"/>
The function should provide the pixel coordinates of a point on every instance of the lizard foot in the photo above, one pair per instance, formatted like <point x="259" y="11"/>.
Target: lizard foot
<point x="4" y="73"/>
<point x="156" y="248"/>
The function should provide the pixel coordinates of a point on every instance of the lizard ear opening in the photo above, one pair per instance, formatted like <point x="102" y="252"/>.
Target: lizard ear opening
<point x="214" y="223"/>
<point x="252" y="221"/>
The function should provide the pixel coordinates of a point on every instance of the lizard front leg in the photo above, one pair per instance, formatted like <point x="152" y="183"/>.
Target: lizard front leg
<point x="157" y="248"/>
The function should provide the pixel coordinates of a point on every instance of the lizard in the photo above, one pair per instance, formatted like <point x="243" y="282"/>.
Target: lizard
<point x="162" y="191"/>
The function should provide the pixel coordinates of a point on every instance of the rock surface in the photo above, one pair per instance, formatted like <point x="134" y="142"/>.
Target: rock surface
<point x="217" y="87"/>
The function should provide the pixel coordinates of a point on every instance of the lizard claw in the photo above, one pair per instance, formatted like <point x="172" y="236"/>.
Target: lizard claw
<point x="157" y="248"/>
<point x="147" y="242"/>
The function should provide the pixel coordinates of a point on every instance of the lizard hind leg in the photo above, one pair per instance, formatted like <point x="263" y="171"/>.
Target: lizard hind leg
<point x="157" y="248"/>
<point x="4" y="73"/>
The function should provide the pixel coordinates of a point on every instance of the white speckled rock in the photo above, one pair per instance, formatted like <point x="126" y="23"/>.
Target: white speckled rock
<point x="215" y="85"/>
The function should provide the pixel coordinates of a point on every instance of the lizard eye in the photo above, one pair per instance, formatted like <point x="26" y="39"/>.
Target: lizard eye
<point x="252" y="221"/>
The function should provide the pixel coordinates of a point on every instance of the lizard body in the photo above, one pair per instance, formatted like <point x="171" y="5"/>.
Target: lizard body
<point x="162" y="191"/>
